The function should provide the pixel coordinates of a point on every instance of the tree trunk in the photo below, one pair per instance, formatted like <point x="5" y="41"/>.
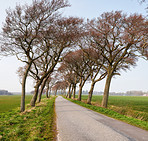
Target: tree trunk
<point x="74" y="91"/>
<point x="24" y="87"/>
<point x="106" y="90"/>
<point x="80" y="93"/>
<point x="71" y="92"/>
<point x="90" y="93"/>
<point x="68" y="94"/>
<point x="42" y="88"/>
<point x="34" y="98"/>
<point x="80" y="90"/>
<point x="47" y="91"/>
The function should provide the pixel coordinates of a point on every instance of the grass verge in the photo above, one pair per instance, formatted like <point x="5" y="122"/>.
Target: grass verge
<point x="131" y="106"/>
<point x="113" y="114"/>
<point x="35" y="124"/>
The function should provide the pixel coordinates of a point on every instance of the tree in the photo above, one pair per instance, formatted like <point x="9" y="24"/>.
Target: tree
<point x="59" y="85"/>
<point x="42" y="88"/>
<point x="23" y="32"/>
<point x="48" y="90"/>
<point x="97" y="73"/>
<point x="72" y="80"/>
<point x="119" y="38"/>
<point x="79" y="63"/>
<point x="70" y="77"/>
<point x="64" y="34"/>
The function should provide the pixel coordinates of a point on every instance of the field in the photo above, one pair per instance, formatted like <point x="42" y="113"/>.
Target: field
<point x="8" y="103"/>
<point x="35" y="124"/>
<point x="130" y="109"/>
<point x="133" y="106"/>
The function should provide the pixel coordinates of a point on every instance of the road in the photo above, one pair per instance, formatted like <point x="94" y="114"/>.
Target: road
<point x="76" y="123"/>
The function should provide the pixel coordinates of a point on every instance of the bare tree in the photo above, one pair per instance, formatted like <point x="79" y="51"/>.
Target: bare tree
<point x="48" y="90"/>
<point x="65" y="33"/>
<point x="23" y="32"/>
<point x="81" y="65"/>
<point x="70" y="77"/>
<point x="42" y="88"/>
<point x="59" y="85"/>
<point x="119" y="38"/>
<point x="97" y="72"/>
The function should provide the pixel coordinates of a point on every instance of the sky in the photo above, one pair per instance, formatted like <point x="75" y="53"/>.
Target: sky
<point x="134" y="79"/>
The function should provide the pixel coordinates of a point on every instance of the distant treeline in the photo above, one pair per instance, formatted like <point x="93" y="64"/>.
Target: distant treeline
<point x="5" y="92"/>
<point x="128" y="93"/>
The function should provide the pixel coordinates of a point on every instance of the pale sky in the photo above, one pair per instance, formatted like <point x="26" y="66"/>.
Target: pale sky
<point x="134" y="79"/>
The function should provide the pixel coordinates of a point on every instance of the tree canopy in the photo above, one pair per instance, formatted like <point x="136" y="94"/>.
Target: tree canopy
<point x="42" y="38"/>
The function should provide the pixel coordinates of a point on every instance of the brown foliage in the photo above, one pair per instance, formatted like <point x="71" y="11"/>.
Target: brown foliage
<point x="78" y="62"/>
<point x="119" y="39"/>
<point x="60" y="85"/>
<point x="24" y="32"/>
<point x="24" y="27"/>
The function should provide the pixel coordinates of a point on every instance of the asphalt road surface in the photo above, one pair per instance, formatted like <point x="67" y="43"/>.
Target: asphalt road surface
<point x="76" y="123"/>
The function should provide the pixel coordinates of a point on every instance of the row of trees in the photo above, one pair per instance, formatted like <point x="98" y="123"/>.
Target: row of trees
<point x="113" y="42"/>
<point x="40" y="37"/>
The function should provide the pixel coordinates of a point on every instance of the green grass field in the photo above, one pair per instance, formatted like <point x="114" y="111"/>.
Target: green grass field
<point x="134" y="106"/>
<point x="35" y="124"/>
<point x="138" y="103"/>
<point x="8" y="103"/>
